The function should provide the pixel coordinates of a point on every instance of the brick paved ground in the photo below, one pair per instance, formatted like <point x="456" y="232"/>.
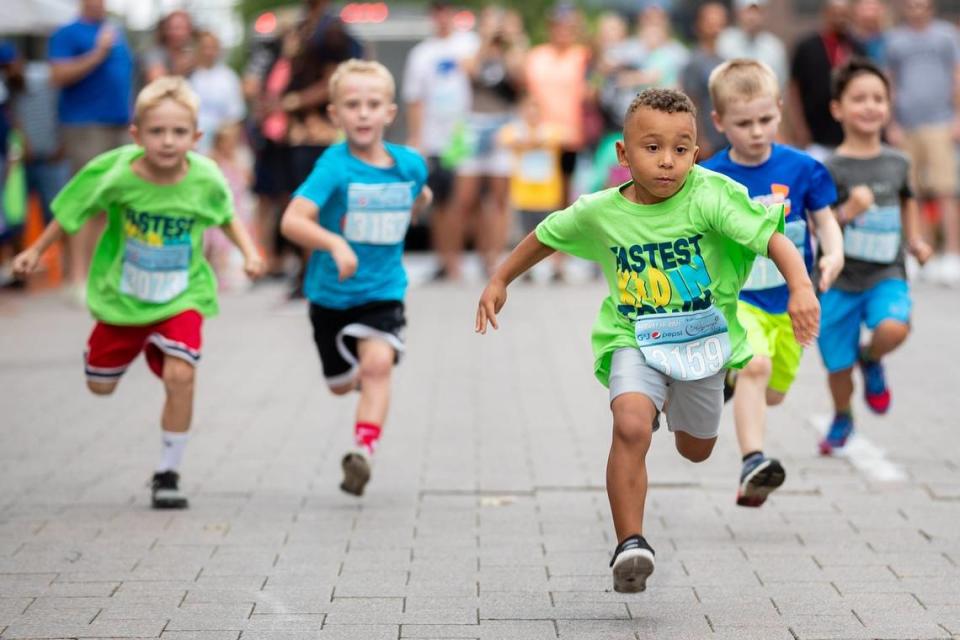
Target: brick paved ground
<point x="486" y="517"/>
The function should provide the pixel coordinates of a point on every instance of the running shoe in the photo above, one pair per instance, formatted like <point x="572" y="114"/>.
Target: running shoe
<point x="840" y="431"/>
<point x="875" y="391"/>
<point x="729" y="385"/>
<point x="632" y="563"/>
<point x="356" y="473"/>
<point x="165" y="491"/>
<point x="758" y="479"/>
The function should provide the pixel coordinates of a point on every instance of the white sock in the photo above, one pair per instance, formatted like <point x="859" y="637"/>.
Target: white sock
<point x="174" y="442"/>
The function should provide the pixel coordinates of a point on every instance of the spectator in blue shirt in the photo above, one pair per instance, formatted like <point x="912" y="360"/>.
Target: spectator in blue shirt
<point x="92" y="64"/>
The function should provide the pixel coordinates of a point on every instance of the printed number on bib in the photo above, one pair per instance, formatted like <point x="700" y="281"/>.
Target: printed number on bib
<point x="685" y="346"/>
<point x="765" y="274"/>
<point x="378" y="213"/>
<point x="155" y="274"/>
<point x="536" y="166"/>
<point x="874" y="236"/>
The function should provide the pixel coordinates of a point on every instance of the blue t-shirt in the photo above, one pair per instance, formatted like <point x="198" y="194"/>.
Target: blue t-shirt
<point x="7" y="55"/>
<point x="104" y="96"/>
<point x="369" y="206"/>
<point x="803" y="185"/>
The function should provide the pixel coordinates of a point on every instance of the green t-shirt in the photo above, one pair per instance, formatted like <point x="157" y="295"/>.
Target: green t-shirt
<point x="148" y="265"/>
<point x="690" y="253"/>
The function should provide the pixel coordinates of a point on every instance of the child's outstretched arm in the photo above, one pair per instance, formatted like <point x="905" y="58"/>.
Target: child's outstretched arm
<point x="910" y="221"/>
<point x="529" y="252"/>
<point x="422" y="202"/>
<point x="253" y="264"/>
<point x="831" y="243"/>
<point x="299" y="225"/>
<point x="803" y="307"/>
<point x="27" y="260"/>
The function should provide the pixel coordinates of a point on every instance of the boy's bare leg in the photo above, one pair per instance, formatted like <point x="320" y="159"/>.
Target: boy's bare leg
<point x="101" y="388"/>
<point x="692" y="448"/>
<point x="888" y="335"/>
<point x="178" y="380"/>
<point x="841" y="389"/>
<point x="376" y="366"/>
<point x="633" y="415"/>
<point x="759" y="475"/>
<point x="750" y="404"/>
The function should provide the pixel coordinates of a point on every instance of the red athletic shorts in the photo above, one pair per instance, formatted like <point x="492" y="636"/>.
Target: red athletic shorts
<point x="111" y="348"/>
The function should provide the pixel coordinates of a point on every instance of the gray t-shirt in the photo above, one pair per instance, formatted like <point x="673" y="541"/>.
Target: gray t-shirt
<point x="922" y="64"/>
<point x="873" y="241"/>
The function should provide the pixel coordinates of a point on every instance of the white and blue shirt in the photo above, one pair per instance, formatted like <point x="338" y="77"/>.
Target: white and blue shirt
<point x="370" y="206"/>
<point x="803" y="185"/>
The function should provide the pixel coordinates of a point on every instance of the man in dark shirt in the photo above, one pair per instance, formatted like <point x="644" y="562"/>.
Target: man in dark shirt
<point x="814" y="59"/>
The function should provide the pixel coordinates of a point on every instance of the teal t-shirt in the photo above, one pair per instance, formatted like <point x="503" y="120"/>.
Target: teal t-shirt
<point x="148" y="265"/>
<point x="674" y="269"/>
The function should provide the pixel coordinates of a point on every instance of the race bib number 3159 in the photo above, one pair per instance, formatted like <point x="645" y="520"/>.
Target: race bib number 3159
<point x="685" y="346"/>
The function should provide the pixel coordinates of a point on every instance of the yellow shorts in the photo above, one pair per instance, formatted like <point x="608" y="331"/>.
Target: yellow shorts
<point x="771" y="335"/>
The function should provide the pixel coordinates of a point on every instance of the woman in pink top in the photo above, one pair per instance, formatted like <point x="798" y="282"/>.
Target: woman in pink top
<point x="557" y="79"/>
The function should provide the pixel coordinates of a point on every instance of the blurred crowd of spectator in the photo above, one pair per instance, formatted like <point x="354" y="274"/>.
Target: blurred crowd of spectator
<point x="511" y="129"/>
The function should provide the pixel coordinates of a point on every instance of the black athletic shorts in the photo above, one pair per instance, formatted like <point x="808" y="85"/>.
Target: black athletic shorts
<point x="336" y="331"/>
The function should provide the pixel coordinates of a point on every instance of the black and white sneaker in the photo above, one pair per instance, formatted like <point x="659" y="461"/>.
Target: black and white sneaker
<point x="632" y="564"/>
<point x="759" y="477"/>
<point x="165" y="491"/>
<point x="356" y="473"/>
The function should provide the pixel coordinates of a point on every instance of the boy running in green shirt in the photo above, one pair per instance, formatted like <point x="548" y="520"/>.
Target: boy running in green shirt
<point x="676" y="244"/>
<point x="150" y="286"/>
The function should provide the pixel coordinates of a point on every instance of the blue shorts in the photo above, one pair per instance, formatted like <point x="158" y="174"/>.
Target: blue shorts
<point x="842" y="312"/>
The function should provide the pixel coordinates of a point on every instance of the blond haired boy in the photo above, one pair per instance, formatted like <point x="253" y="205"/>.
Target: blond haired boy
<point x="149" y="286"/>
<point x="747" y="109"/>
<point x="353" y="212"/>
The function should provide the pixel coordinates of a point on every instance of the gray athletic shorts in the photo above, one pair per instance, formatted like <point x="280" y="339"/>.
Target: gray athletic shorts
<point x="694" y="405"/>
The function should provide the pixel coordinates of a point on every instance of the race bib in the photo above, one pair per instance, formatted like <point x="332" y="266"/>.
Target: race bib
<point x="765" y="274"/>
<point x="155" y="273"/>
<point x="685" y="346"/>
<point x="378" y="213"/>
<point x="874" y="236"/>
<point x="536" y="166"/>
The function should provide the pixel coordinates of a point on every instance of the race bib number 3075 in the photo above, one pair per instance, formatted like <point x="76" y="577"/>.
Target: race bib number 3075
<point x="155" y="273"/>
<point x="685" y="346"/>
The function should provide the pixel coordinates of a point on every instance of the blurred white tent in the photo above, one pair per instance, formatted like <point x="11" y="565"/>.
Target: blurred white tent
<point x="34" y="16"/>
<point x="23" y="17"/>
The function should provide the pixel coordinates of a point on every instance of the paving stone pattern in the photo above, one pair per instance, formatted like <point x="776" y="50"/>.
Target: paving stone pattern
<point x="486" y="517"/>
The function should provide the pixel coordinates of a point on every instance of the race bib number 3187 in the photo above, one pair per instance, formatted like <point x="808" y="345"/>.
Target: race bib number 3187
<point x="685" y="346"/>
<point x="378" y="213"/>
